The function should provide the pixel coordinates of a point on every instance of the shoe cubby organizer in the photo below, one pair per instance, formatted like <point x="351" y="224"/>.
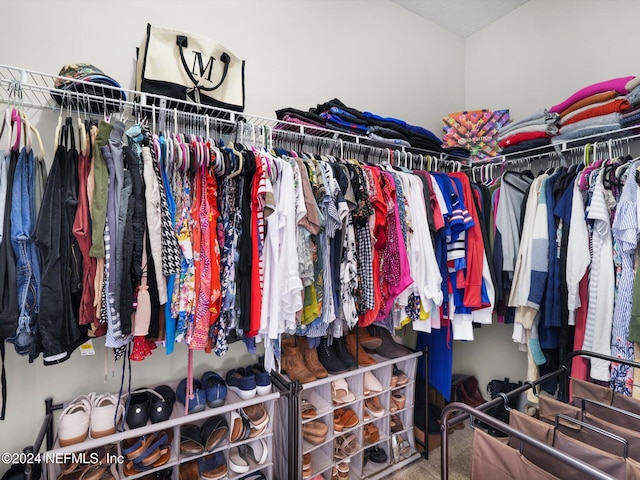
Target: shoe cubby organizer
<point x="344" y="444"/>
<point x="182" y="465"/>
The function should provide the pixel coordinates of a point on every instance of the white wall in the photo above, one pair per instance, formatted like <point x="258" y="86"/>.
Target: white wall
<point x="372" y="54"/>
<point x="535" y="57"/>
<point x="540" y="53"/>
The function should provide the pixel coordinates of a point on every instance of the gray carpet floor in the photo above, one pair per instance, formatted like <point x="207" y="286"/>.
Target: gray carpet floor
<point x="460" y="443"/>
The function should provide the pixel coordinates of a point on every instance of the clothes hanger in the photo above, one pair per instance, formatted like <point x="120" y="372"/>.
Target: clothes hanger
<point x="27" y="129"/>
<point x="16" y="126"/>
<point x="239" y="163"/>
<point x="107" y="115"/>
<point x="6" y="122"/>
<point x="82" y="132"/>
<point x="31" y="129"/>
<point x="169" y="163"/>
<point x="178" y="153"/>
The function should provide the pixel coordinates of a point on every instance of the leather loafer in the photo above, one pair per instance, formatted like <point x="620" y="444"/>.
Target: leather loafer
<point x="138" y="409"/>
<point x="161" y="403"/>
<point x="199" y="400"/>
<point x="215" y="388"/>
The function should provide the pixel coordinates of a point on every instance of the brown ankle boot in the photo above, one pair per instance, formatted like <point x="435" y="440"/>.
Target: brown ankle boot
<point x="362" y="357"/>
<point x="292" y="362"/>
<point x="311" y="360"/>
<point x="368" y="341"/>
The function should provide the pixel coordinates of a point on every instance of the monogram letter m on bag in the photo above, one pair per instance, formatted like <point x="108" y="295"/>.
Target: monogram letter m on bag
<point x="190" y="67"/>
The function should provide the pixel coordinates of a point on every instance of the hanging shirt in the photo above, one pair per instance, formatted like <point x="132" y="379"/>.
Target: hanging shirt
<point x="625" y="233"/>
<point x="424" y="267"/>
<point x="601" y="283"/>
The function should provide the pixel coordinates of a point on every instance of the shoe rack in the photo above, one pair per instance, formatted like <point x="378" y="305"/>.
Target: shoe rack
<point x="321" y="451"/>
<point x="179" y="462"/>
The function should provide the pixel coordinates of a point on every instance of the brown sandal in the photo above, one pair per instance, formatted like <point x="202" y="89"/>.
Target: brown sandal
<point x="315" y="432"/>
<point x="308" y="410"/>
<point x="395" y="423"/>
<point x="337" y="421"/>
<point x="399" y="400"/>
<point x="349" y="418"/>
<point x="371" y="434"/>
<point x="374" y="407"/>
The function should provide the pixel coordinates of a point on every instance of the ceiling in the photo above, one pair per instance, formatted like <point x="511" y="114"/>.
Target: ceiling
<point x="463" y="17"/>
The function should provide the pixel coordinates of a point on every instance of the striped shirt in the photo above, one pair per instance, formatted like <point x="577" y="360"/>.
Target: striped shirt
<point x="601" y="283"/>
<point x="625" y="234"/>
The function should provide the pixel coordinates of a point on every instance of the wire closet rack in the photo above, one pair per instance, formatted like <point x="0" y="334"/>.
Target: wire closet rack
<point x="33" y="89"/>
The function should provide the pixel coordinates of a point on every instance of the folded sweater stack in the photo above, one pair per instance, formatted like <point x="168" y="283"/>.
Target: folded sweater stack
<point x="335" y="115"/>
<point x="598" y="108"/>
<point x="530" y="132"/>
<point x="631" y="116"/>
<point x="594" y="109"/>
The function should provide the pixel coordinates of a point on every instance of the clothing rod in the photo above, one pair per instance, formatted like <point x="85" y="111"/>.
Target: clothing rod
<point x="33" y="89"/>
<point x="394" y="156"/>
<point x="563" y="147"/>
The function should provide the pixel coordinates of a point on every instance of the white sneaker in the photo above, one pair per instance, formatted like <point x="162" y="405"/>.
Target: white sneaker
<point x="237" y="462"/>
<point x="73" y="424"/>
<point x="106" y="413"/>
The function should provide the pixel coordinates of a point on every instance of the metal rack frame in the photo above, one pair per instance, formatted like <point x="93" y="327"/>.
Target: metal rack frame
<point x="449" y="420"/>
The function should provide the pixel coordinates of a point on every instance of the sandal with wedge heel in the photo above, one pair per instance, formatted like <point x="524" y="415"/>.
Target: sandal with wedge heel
<point x="308" y="410"/>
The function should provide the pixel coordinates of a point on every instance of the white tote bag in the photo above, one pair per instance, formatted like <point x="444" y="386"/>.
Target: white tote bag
<point x="190" y="67"/>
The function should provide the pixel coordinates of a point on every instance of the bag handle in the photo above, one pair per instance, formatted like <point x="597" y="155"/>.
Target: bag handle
<point x="182" y="42"/>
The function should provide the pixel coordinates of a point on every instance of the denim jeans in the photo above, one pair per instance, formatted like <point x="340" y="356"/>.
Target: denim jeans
<point x="27" y="258"/>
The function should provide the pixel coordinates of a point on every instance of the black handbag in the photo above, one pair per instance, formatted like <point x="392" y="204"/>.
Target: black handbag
<point x="494" y="389"/>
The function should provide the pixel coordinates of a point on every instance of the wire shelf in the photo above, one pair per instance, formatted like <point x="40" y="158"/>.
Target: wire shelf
<point x="33" y="89"/>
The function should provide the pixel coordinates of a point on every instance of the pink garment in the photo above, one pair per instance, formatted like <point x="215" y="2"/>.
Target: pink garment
<point x="580" y="365"/>
<point x="405" y="269"/>
<point x="399" y="253"/>
<point x="617" y="84"/>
